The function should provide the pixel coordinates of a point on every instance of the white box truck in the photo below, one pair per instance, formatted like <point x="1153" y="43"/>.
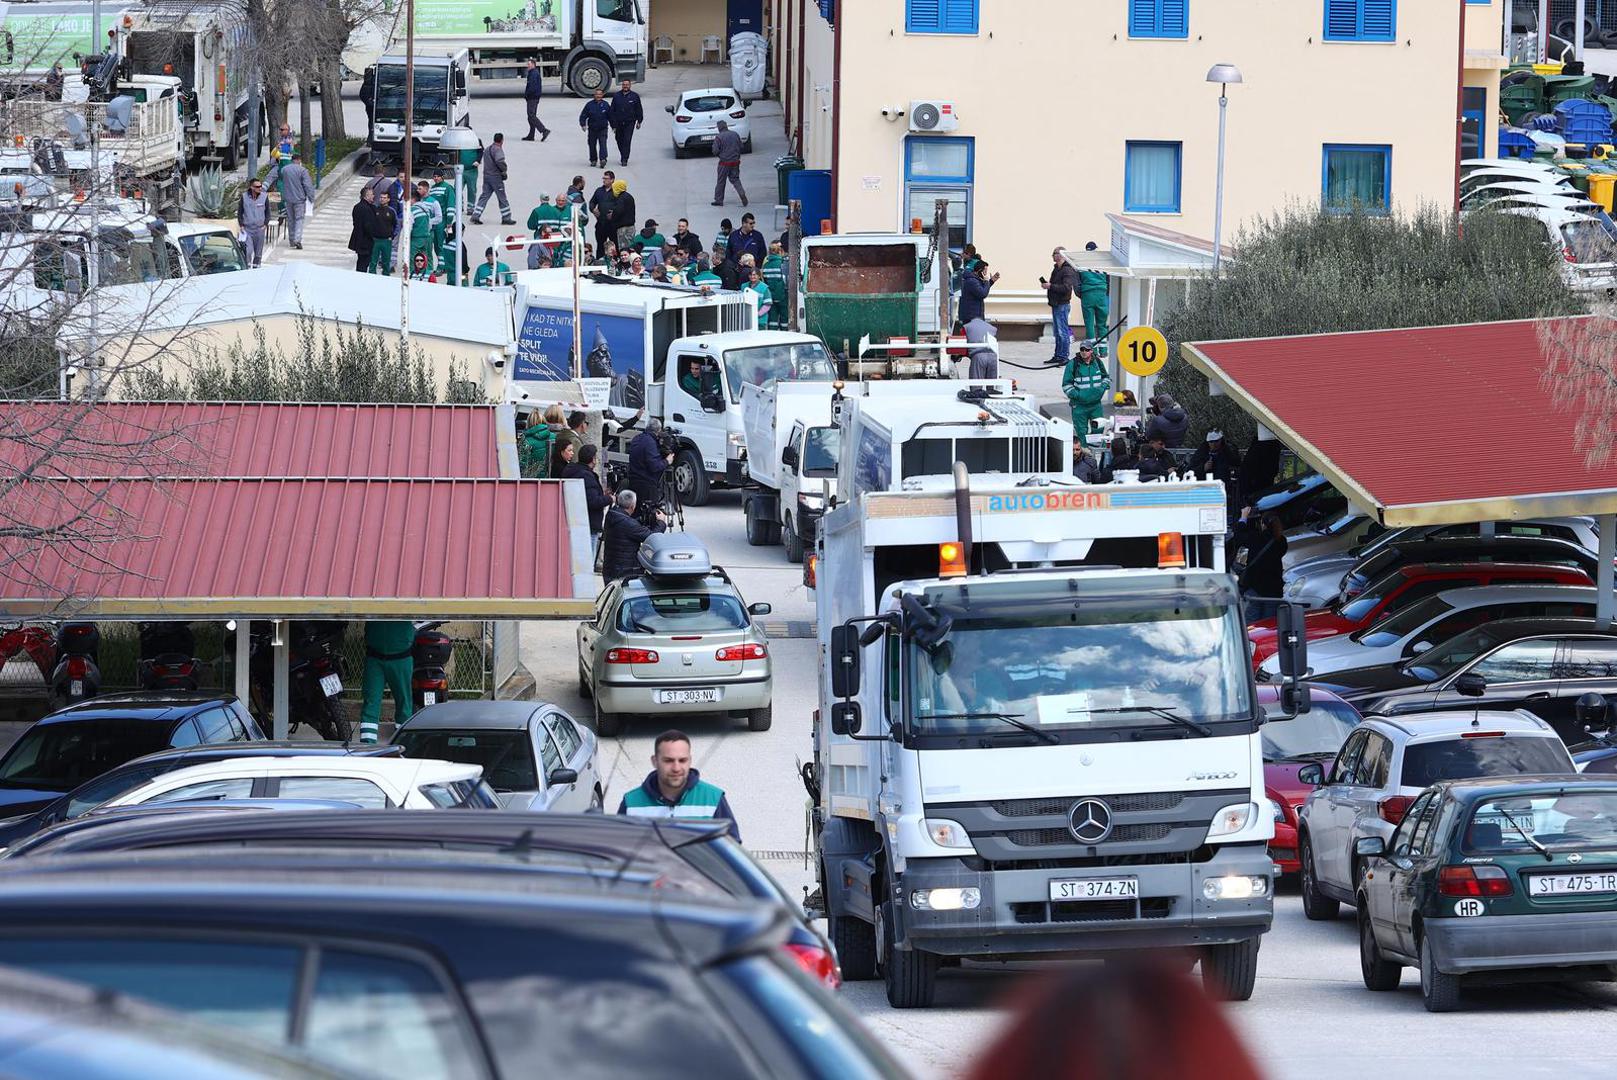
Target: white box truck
<point x="588" y="44"/>
<point x="792" y="450"/>
<point x="1038" y="733"/>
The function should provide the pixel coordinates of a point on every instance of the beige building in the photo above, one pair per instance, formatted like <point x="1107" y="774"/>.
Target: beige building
<point x="1055" y="115"/>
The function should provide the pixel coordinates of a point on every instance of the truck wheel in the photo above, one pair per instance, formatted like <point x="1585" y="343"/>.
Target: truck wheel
<point x="760" y="719"/>
<point x="608" y="725"/>
<point x="1317" y="907"/>
<point x="1440" y="992"/>
<point x="912" y="977"/>
<point x="794" y="543"/>
<point x="1229" y="972"/>
<point x="1378" y="972"/>
<point x="757" y="528"/>
<point x="690" y="478"/>
<point x="855" y="942"/>
<point x="589" y="75"/>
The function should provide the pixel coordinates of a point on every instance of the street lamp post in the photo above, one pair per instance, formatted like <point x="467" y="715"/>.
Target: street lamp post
<point x="455" y="140"/>
<point x="1224" y="75"/>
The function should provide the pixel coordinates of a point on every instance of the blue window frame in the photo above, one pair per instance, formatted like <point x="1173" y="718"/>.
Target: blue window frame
<point x="1159" y="18"/>
<point x="1472" y="119"/>
<point x="1361" y="20"/>
<point x="1152" y="177"/>
<point x="940" y="167"/>
<point x="1357" y="177"/>
<point x="940" y="16"/>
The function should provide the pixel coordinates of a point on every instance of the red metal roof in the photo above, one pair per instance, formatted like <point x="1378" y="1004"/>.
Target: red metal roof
<point x="125" y="439"/>
<point x="295" y="548"/>
<point x="1404" y="419"/>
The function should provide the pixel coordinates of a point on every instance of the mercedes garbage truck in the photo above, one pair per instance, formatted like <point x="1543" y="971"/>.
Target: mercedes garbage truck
<point x="588" y="44"/>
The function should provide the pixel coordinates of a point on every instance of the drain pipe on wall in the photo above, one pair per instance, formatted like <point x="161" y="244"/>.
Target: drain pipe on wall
<point x="1459" y="118"/>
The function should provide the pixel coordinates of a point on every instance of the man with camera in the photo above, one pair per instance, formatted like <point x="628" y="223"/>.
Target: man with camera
<point x="649" y="457"/>
<point x="622" y="534"/>
<point x="1168" y="419"/>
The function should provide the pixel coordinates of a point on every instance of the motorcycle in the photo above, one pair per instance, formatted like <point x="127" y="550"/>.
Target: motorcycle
<point x="38" y="642"/>
<point x="314" y="677"/>
<point x="429" y="683"/>
<point x="77" y="673"/>
<point x="167" y="657"/>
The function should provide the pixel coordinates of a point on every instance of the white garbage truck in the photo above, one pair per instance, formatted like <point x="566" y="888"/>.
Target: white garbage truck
<point x="440" y="102"/>
<point x="588" y="44"/>
<point x="1038" y="733"/>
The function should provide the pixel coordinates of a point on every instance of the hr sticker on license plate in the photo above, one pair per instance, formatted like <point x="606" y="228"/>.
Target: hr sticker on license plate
<point x="1096" y="889"/>
<point x="331" y="684"/>
<point x="704" y="696"/>
<point x="1604" y="881"/>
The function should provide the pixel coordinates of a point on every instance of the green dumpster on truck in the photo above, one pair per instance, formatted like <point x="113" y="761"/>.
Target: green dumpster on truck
<point x="850" y="291"/>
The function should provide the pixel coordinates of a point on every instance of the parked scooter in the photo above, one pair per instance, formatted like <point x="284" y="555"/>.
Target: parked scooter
<point x="314" y="677"/>
<point x="167" y="657"/>
<point x="36" y="641"/>
<point x="429" y="685"/>
<point x="77" y="673"/>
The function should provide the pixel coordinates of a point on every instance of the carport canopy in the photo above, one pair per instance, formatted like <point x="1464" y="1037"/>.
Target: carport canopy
<point x="1427" y="426"/>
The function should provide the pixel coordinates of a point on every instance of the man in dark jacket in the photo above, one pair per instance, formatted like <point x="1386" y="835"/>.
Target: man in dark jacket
<point x="974" y="288"/>
<point x="727" y="151"/>
<point x="604" y="206"/>
<point x="1168" y="419"/>
<point x="596" y="500"/>
<point x="747" y="240"/>
<point x="627" y="116"/>
<point x="1261" y="548"/>
<point x="647" y="462"/>
<point x="1155" y="461"/>
<point x="531" y="94"/>
<point x="593" y="120"/>
<point x="621" y="537"/>
<point x="687" y="241"/>
<point x="1217" y="457"/>
<point x="359" y="238"/>
<point x="729" y="274"/>
<point x="1058" y="291"/>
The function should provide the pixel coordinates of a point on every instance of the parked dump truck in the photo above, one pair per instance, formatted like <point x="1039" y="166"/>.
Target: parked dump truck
<point x="792" y="451"/>
<point x="875" y="285"/>
<point x="586" y="43"/>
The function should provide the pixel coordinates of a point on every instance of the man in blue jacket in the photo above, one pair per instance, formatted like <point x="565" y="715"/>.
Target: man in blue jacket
<point x="593" y="121"/>
<point x="531" y="94"/>
<point x="974" y="286"/>
<point x="675" y="790"/>
<point x="746" y="240"/>
<point x="647" y="463"/>
<point x="627" y="116"/>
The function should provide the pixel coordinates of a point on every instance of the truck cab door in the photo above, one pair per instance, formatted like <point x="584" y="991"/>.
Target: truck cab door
<point x="697" y="405"/>
<point x="791" y="478"/>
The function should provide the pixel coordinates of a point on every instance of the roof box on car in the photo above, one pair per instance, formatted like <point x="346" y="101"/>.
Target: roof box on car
<point x="674" y="555"/>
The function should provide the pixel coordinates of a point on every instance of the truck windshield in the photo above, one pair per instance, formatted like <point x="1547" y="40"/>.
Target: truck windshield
<point x="801" y="362"/>
<point x="617" y="10"/>
<point x="821" y="448"/>
<point x="431" y="105"/>
<point x="1085" y="676"/>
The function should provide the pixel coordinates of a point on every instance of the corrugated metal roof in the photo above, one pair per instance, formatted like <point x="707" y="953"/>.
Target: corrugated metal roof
<point x="296" y="548"/>
<point x="1429" y="425"/>
<point x="255" y="439"/>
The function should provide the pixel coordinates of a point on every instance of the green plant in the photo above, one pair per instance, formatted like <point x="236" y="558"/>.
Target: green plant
<point x="206" y="191"/>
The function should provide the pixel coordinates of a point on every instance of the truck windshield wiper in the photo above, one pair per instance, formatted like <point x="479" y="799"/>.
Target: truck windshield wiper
<point x="1006" y="717"/>
<point x="1158" y="710"/>
<point x="1529" y="837"/>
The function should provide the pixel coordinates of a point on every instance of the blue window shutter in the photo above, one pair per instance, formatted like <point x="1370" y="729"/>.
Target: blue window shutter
<point x="1142" y="18"/>
<point x="1172" y="18"/>
<point x="1342" y="19"/>
<point x="1378" y="20"/>
<point x="924" y="16"/>
<point x="959" y="16"/>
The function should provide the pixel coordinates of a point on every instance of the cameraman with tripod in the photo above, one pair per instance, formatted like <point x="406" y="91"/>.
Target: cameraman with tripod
<point x="622" y="536"/>
<point x="649" y="458"/>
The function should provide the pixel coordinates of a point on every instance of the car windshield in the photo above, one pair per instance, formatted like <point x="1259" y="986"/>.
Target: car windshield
<point x="1321" y="730"/>
<point x="1569" y="819"/>
<point x="805" y="361"/>
<point x="1089" y="673"/>
<point x="821" y="448"/>
<point x="1400" y="624"/>
<point x="1587" y="242"/>
<point x="1360" y="607"/>
<point x="506" y="756"/>
<point x="1443" y="660"/>
<point x="431" y="104"/>
<point x="708" y="103"/>
<point x="1425" y="763"/>
<point x="682" y="613"/>
<point x="1372" y="566"/>
<point x="61" y="756"/>
<point x="213" y="253"/>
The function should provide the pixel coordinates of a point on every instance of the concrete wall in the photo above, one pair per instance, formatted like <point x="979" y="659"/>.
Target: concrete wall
<point x="688" y="22"/>
<point x="1051" y="91"/>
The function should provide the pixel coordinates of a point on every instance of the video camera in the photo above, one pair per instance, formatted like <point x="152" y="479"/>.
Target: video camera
<point x="668" y="440"/>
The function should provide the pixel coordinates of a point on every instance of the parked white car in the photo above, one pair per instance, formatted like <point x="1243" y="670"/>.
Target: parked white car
<point x="696" y="119"/>
<point x="533" y="755"/>
<point x="370" y="783"/>
<point x="1589" y="257"/>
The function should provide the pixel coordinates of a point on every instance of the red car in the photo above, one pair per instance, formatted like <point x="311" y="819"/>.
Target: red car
<point x="1401" y="587"/>
<point x="1288" y="745"/>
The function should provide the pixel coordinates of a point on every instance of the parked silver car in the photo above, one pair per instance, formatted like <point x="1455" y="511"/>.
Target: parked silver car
<point x="677" y="640"/>
<point x="533" y="755"/>
<point x="1384" y="764"/>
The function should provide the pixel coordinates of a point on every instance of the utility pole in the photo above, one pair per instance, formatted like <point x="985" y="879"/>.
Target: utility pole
<point x="578" y="306"/>
<point x="408" y="199"/>
<point x="940" y="233"/>
<point x="92" y="277"/>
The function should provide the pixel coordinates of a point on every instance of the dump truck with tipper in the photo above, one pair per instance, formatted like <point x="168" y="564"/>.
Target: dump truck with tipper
<point x="588" y="44"/>
<point x="875" y="285"/>
<point x="1038" y="733"/>
<point x="206" y="45"/>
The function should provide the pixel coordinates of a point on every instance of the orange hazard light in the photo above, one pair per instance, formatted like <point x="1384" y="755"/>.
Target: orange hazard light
<point x="951" y="560"/>
<point x="1170" y="549"/>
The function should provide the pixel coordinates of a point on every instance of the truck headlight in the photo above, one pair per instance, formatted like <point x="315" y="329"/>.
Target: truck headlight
<point x="1233" y="819"/>
<point x="949" y="834"/>
<point x="1235" y="887"/>
<point x="945" y="899"/>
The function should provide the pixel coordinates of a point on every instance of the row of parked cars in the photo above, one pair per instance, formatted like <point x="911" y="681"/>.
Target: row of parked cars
<point x="159" y="847"/>
<point x="1455" y="782"/>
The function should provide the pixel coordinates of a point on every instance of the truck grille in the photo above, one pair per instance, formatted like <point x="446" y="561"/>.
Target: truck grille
<point x="1123" y="834"/>
<point x="1037" y="911"/>
<point x="1160" y="823"/>
<point x="1122" y="804"/>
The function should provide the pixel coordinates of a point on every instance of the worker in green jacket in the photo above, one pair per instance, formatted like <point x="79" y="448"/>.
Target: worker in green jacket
<point x="773" y="273"/>
<point x="533" y="452"/>
<point x="442" y="193"/>
<point x="388" y="666"/>
<point x="422" y="246"/>
<point x="1094" y="301"/>
<point x="1086" y="383"/>
<point x="546" y="219"/>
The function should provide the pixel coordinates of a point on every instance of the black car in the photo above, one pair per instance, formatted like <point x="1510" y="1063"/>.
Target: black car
<point x="1466" y="549"/>
<point x="1540" y="665"/>
<point x="690" y="856"/>
<point x="79" y="743"/>
<point x="132" y="774"/>
<point x="458" y="966"/>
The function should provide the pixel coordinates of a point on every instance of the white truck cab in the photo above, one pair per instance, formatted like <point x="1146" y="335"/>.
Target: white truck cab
<point x="440" y="103"/>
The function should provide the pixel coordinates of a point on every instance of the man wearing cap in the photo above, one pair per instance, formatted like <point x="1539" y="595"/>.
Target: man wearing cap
<point x="1086" y="383"/>
<point x="648" y="238"/>
<point x="1216" y="458"/>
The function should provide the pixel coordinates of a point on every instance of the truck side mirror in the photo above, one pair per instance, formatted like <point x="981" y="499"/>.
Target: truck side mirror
<point x="788" y="458"/>
<point x="844" y="662"/>
<point x="1293" y="657"/>
<point x="846" y="718"/>
<point x="460" y="79"/>
<point x="712" y="402"/>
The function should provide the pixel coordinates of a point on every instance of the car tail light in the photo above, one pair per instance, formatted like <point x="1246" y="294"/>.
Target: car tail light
<point x="817" y="962"/>
<point x="1394" y="807"/>
<point x="631" y="656"/>
<point x="682" y="119"/>
<point x="1566" y="253"/>
<point x="742" y="115"/>
<point x="750" y="651"/>
<point x="1473" y="881"/>
<point x="77" y="667"/>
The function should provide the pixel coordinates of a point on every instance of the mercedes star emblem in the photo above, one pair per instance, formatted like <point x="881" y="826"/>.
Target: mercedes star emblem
<point x="1090" y="821"/>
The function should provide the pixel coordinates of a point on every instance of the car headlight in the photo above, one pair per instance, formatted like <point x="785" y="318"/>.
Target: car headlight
<point x="949" y="834"/>
<point x="1233" y="819"/>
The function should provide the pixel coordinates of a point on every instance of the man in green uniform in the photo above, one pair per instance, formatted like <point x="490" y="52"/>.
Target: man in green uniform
<point x="387" y="666"/>
<point x="422" y="230"/>
<point x="491" y="273"/>
<point x="675" y="790"/>
<point x="545" y="219"/>
<point x="773" y="273"/>
<point x="1086" y="382"/>
<point x="1094" y="300"/>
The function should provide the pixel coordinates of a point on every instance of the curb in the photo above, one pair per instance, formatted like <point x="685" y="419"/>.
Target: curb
<point x="334" y="179"/>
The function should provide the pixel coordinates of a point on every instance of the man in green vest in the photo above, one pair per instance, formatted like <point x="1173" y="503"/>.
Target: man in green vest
<point x="1086" y="383"/>
<point x="675" y="790"/>
<point x="425" y="222"/>
<point x="1094" y="300"/>
<point x="388" y="666"/>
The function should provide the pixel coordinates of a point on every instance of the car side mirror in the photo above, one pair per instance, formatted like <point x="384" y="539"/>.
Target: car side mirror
<point x="669" y="109"/>
<point x="1313" y="775"/>
<point x="1370" y="847"/>
<point x="759" y="609"/>
<point x="844" y="664"/>
<point x="846" y="718"/>
<point x="1419" y="647"/>
<point x="561" y="777"/>
<point x="788" y="457"/>
<point x="1470" y="685"/>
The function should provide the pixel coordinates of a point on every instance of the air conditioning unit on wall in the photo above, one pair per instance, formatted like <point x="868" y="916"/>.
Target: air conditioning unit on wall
<point x="933" y="117"/>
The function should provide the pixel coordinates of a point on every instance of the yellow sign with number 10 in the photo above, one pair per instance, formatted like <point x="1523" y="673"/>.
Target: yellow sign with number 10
<point x="1142" y="351"/>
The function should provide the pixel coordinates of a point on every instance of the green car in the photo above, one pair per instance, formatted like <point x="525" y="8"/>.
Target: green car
<point x="1497" y="880"/>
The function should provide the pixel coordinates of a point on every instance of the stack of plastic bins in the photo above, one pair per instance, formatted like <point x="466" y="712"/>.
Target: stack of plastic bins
<point x="1584" y="122"/>
<point x="1514" y="144"/>
<point x="1559" y="88"/>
